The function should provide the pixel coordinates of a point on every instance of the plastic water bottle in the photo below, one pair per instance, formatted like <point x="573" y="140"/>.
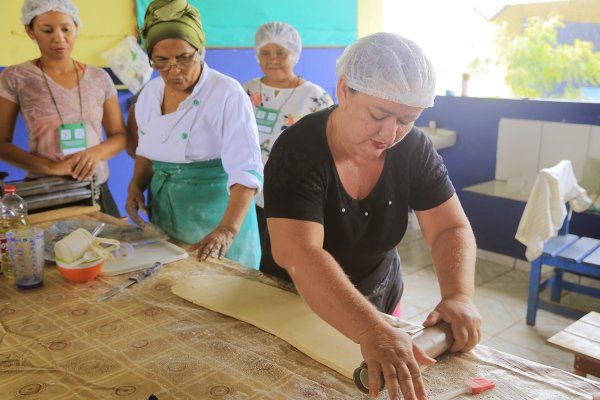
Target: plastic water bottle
<point x="3" y="242"/>
<point x="16" y="204"/>
<point x="13" y="215"/>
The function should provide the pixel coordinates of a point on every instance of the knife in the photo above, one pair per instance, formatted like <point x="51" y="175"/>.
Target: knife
<point x="137" y="278"/>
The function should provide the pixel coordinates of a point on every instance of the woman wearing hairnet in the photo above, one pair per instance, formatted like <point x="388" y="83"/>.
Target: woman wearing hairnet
<point x="338" y="186"/>
<point x="197" y="145"/>
<point x="280" y="97"/>
<point x="65" y="104"/>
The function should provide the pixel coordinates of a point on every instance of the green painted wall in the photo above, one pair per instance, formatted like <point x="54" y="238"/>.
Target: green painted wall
<point x="232" y="23"/>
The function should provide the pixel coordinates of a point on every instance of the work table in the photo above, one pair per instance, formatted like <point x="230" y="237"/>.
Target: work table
<point x="57" y="343"/>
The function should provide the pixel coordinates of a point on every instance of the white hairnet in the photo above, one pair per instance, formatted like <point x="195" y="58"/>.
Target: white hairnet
<point x="390" y="67"/>
<point x="279" y="33"/>
<point x="33" y="8"/>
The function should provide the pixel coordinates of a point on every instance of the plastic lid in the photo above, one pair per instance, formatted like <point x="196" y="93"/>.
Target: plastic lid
<point x="10" y="189"/>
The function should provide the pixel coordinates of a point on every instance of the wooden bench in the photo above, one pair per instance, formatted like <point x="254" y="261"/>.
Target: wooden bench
<point x="583" y="339"/>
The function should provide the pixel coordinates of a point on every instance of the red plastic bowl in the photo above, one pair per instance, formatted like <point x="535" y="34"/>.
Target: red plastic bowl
<point x="81" y="273"/>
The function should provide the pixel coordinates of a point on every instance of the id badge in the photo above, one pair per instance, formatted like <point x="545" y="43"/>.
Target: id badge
<point x="266" y="119"/>
<point x="72" y="138"/>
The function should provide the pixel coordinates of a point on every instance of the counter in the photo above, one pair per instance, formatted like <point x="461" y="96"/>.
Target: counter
<point x="57" y="343"/>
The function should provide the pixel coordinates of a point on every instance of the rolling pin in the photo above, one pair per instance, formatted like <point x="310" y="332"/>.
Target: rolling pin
<point x="434" y="341"/>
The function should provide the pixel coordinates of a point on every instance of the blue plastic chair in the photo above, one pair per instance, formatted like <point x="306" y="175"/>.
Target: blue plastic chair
<point x="566" y="253"/>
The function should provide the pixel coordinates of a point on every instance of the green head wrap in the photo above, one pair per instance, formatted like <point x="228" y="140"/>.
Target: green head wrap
<point x="172" y="19"/>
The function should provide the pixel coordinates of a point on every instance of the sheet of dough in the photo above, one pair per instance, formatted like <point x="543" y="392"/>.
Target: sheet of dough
<point x="276" y="311"/>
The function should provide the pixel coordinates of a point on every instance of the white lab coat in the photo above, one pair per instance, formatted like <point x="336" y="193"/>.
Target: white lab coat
<point x="215" y="122"/>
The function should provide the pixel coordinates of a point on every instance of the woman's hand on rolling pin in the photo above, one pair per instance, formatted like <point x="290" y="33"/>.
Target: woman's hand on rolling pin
<point x="391" y="352"/>
<point x="135" y="202"/>
<point x="461" y="313"/>
<point x="215" y="244"/>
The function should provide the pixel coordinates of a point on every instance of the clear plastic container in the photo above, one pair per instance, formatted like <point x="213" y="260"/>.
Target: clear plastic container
<point x="26" y="251"/>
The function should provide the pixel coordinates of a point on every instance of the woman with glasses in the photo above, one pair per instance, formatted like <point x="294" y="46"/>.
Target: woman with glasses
<point x="197" y="147"/>
<point x="65" y="104"/>
<point x="280" y="97"/>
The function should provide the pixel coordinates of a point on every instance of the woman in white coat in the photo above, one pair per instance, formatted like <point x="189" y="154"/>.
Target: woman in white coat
<point x="197" y="145"/>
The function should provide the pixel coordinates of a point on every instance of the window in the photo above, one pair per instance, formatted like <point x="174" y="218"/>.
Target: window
<point x="485" y="48"/>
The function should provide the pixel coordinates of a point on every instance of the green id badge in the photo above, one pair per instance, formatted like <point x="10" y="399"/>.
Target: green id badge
<point x="266" y="119"/>
<point x="72" y="137"/>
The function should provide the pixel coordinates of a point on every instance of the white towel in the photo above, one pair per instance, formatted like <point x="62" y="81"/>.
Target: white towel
<point x="545" y="210"/>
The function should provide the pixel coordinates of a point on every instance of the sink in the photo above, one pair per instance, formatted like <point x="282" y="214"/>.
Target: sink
<point x="441" y="138"/>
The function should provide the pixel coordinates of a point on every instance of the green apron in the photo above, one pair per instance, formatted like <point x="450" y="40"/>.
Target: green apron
<point x="189" y="201"/>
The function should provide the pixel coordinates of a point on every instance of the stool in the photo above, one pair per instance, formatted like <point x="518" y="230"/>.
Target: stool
<point x="565" y="252"/>
<point x="583" y="339"/>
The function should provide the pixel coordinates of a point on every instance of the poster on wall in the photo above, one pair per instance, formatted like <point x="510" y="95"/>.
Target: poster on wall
<point x="232" y="23"/>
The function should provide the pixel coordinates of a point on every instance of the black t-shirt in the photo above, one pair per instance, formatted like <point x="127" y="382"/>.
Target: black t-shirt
<point x="302" y="183"/>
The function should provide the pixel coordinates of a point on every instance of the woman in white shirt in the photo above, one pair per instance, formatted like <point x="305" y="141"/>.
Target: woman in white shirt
<point x="197" y="145"/>
<point x="280" y="97"/>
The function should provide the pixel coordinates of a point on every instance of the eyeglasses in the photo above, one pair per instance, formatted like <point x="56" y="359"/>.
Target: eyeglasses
<point x="278" y="54"/>
<point x="181" y="62"/>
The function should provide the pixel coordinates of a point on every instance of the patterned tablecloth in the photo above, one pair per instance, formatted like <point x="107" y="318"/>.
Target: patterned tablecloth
<point x="57" y="343"/>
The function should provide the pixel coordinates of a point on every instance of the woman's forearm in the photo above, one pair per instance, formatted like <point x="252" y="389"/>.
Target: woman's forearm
<point x="454" y="259"/>
<point x="297" y="246"/>
<point x="330" y="294"/>
<point x="113" y="145"/>
<point x="142" y="173"/>
<point x="447" y="231"/>
<point x="240" y="198"/>
<point x="24" y="160"/>
<point x="132" y="133"/>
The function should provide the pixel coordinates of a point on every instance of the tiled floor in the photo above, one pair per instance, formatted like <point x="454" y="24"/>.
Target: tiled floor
<point x="500" y="295"/>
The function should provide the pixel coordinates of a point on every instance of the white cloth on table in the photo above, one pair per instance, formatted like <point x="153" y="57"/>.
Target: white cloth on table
<point x="545" y="210"/>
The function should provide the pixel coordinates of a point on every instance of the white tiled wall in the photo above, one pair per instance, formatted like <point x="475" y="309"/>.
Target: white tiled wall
<point x="526" y="146"/>
<point x="595" y="142"/>
<point x="518" y="147"/>
<point x="562" y="141"/>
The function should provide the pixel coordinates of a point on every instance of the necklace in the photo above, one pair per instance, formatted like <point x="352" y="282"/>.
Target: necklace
<point x="289" y="97"/>
<point x="52" y="95"/>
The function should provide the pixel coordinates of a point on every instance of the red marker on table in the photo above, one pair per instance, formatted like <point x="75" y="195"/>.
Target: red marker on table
<point x="471" y="386"/>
